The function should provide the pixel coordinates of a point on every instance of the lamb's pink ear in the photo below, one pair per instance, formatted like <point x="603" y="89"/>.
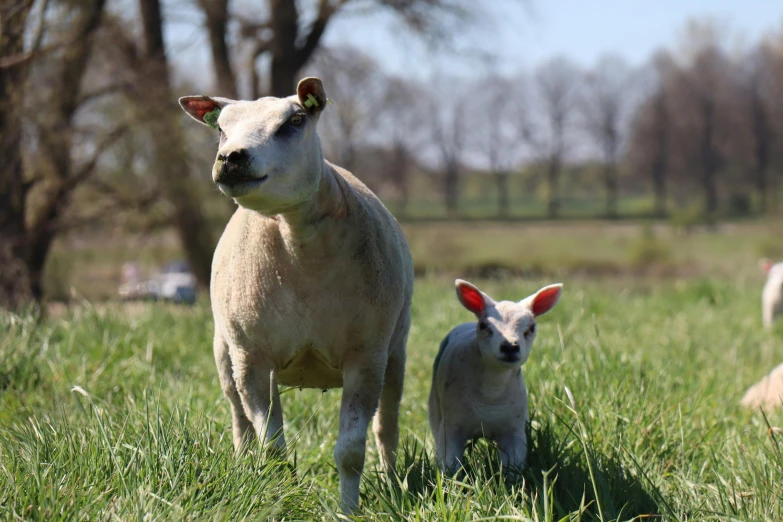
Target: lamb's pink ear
<point x="204" y="109"/>
<point x="471" y="297"/>
<point x="311" y="94"/>
<point x="765" y="265"/>
<point x="545" y="299"/>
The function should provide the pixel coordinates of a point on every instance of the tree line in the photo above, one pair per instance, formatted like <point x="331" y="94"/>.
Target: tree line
<point x="698" y="128"/>
<point x="91" y="135"/>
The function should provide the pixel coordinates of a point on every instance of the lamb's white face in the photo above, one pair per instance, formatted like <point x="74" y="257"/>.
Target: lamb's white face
<point x="269" y="156"/>
<point x="506" y="330"/>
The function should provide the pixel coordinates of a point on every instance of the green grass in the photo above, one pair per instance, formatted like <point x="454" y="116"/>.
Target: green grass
<point x="655" y="369"/>
<point x="561" y="249"/>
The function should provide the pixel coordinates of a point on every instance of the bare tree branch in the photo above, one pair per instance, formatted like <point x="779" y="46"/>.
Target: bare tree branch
<point x="35" y="48"/>
<point x="88" y="167"/>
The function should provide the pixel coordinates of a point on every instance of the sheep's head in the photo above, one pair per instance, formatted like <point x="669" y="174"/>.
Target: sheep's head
<point x="269" y="158"/>
<point x="505" y="330"/>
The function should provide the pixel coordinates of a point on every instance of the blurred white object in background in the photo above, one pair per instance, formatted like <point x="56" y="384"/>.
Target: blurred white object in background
<point x="175" y="283"/>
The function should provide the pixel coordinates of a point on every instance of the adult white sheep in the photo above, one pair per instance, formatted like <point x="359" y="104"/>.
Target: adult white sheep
<point x="311" y="281"/>
<point x="772" y="295"/>
<point x="477" y="385"/>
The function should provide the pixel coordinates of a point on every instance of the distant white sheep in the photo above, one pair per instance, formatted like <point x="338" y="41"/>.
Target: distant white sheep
<point x="477" y="385"/>
<point x="767" y="393"/>
<point x="772" y="295"/>
<point x="311" y="281"/>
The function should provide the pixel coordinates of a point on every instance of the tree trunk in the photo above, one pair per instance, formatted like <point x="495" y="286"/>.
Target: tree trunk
<point x="761" y="136"/>
<point x="285" y="20"/>
<point x="553" y="200"/>
<point x="709" y="160"/>
<point x="761" y="188"/>
<point x="610" y="183"/>
<point x="451" y="190"/>
<point x="54" y="153"/>
<point x="14" y="277"/>
<point x="501" y="181"/>
<point x="400" y="175"/>
<point x="659" y="187"/>
<point x="216" y="12"/>
<point x="661" y="154"/>
<point x="169" y="149"/>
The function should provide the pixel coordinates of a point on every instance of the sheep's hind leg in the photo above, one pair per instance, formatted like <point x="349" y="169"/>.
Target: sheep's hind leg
<point x="361" y="390"/>
<point x="257" y="387"/>
<point x="240" y="423"/>
<point x="386" y="421"/>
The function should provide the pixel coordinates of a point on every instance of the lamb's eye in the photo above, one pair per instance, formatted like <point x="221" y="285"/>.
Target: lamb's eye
<point x="296" y="119"/>
<point x="530" y="330"/>
<point x="484" y="327"/>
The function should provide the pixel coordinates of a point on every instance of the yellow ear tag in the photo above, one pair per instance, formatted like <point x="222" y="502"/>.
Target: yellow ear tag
<point x="311" y="101"/>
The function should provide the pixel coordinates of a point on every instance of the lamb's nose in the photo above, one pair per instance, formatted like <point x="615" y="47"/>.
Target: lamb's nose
<point x="507" y="347"/>
<point x="235" y="157"/>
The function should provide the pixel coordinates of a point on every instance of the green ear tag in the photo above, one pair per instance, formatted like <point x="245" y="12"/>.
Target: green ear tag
<point x="311" y="101"/>
<point x="211" y="118"/>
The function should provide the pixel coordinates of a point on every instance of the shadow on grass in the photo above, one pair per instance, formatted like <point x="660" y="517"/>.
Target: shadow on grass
<point x="563" y="477"/>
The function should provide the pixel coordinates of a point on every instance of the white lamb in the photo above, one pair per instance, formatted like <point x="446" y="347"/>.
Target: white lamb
<point x="772" y="295"/>
<point x="311" y="281"/>
<point x="477" y="385"/>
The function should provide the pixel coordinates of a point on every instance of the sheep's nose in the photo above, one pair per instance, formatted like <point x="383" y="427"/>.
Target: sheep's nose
<point x="235" y="157"/>
<point x="509" y="348"/>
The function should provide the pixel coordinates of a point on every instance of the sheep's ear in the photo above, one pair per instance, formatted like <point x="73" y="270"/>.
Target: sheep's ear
<point x="765" y="265"/>
<point x="311" y="94"/>
<point x="545" y="299"/>
<point x="204" y="109"/>
<point x="471" y="297"/>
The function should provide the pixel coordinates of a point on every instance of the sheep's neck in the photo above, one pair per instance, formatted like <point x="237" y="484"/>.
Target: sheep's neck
<point x="306" y="224"/>
<point x="494" y="382"/>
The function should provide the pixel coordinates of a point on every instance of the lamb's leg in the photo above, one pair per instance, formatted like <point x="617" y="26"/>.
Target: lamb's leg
<point x="449" y="447"/>
<point x="257" y="387"/>
<point x="386" y="421"/>
<point x="513" y="452"/>
<point x="361" y="390"/>
<point x="240" y="423"/>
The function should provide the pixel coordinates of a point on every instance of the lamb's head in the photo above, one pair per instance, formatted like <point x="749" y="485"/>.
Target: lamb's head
<point x="505" y="330"/>
<point x="269" y="158"/>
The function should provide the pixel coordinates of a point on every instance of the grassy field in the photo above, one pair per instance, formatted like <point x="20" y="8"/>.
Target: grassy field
<point x="115" y="413"/>
<point x="90" y="266"/>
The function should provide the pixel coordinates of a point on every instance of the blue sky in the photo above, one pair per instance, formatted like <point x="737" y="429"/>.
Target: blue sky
<point x="520" y="35"/>
<point x="579" y="29"/>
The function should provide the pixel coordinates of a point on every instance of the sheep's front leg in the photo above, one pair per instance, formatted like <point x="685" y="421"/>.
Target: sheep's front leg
<point x="361" y="389"/>
<point x="257" y="387"/>
<point x="513" y="452"/>
<point x="240" y="423"/>
<point x="450" y="445"/>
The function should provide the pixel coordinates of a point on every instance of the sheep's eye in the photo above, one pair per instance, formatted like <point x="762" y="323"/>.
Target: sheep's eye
<point x="530" y="330"/>
<point x="484" y="327"/>
<point x="296" y="119"/>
